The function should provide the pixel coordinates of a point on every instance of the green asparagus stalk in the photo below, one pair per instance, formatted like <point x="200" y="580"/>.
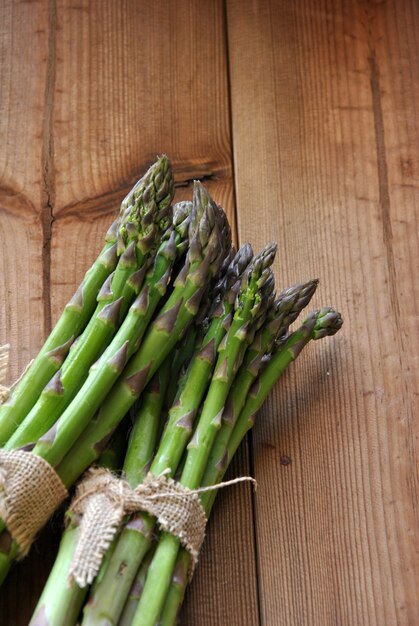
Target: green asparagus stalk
<point x="137" y="461"/>
<point x="196" y="332"/>
<point x="60" y="602"/>
<point x="181" y="357"/>
<point x="51" y="356"/>
<point x="177" y="590"/>
<point x="56" y="443"/>
<point x="135" y="591"/>
<point x="250" y="302"/>
<point x="147" y="217"/>
<point x="284" y="312"/>
<point x="323" y="323"/>
<point x="205" y="255"/>
<point x="110" y="594"/>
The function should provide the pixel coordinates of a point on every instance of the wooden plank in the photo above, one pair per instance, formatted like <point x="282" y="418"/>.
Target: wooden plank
<point x="323" y="115"/>
<point x="23" y="174"/>
<point x="21" y="182"/>
<point x="130" y="80"/>
<point x="127" y="88"/>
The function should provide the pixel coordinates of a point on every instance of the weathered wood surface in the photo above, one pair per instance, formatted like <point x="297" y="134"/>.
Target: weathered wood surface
<point x="301" y="118"/>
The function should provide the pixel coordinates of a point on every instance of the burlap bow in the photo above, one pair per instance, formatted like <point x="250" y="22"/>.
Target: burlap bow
<point x="103" y="500"/>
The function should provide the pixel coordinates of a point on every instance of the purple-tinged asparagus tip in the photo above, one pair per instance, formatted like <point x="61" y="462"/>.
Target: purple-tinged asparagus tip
<point x="328" y="323"/>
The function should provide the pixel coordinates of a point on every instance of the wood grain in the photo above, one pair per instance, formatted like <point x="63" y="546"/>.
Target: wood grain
<point x="21" y="182"/>
<point x="23" y="133"/>
<point x="325" y="138"/>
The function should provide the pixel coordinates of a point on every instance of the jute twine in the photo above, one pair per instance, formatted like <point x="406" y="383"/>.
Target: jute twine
<point x="30" y="491"/>
<point x="103" y="500"/>
<point x="4" y="366"/>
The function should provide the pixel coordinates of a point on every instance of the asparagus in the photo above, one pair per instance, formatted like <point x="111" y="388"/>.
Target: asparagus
<point x="250" y="302"/>
<point x="195" y="382"/>
<point x="143" y="221"/>
<point x="135" y="591"/>
<point x="285" y="310"/>
<point x="137" y="461"/>
<point x="60" y="603"/>
<point x="181" y="357"/>
<point x="195" y="335"/>
<point x="177" y="590"/>
<point x="322" y="323"/>
<point x="56" y="443"/>
<point x="325" y="322"/>
<point x="205" y="255"/>
<point x="134" y="542"/>
<point x="51" y="356"/>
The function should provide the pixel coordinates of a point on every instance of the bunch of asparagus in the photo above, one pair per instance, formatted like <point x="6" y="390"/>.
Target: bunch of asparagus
<point x="174" y="327"/>
<point x="225" y="365"/>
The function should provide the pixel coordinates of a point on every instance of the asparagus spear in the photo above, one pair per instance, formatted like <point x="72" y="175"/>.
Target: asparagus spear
<point x="205" y="255"/>
<point x="323" y="323"/>
<point x="181" y="357"/>
<point x="137" y="461"/>
<point x="196" y="332"/>
<point x="60" y="603"/>
<point x="51" y="356"/>
<point x="134" y="542"/>
<point x="135" y="591"/>
<point x="58" y="441"/>
<point x="250" y="302"/>
<point x="177" y="590"/>
<point x="285" y="310"/>
<point x="142" y="224"/>
<point x="55" y="444"/>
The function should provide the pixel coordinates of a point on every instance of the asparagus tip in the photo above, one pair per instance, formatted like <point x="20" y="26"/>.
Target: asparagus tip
<point x="328" y="323"/>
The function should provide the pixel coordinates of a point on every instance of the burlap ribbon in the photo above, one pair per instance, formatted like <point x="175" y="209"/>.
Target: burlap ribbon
<point x="30" y="491"/>
<point x="103" y="500"/>
<point x="4" y="365"/>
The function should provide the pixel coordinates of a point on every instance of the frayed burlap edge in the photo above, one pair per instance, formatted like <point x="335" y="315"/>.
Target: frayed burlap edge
<point x="30" y="491"/>
<point x="4" y="366"/>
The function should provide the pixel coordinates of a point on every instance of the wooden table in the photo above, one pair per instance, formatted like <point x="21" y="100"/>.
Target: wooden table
<point x="301" y="117"/>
